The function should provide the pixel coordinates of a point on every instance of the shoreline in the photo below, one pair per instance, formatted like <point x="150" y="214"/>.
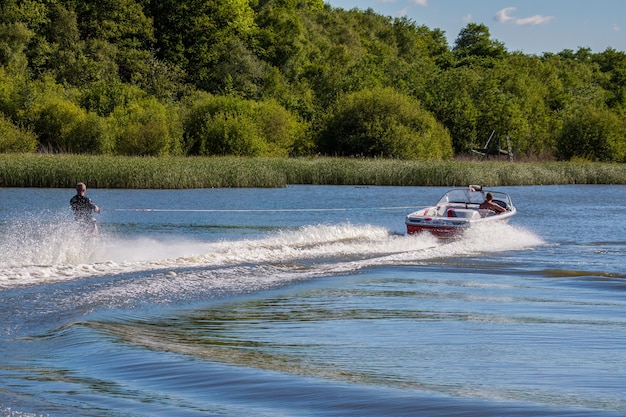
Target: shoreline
<point x="64" y="171"/>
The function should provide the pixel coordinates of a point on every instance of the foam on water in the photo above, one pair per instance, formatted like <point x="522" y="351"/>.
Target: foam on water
<point x="53" y="251"/>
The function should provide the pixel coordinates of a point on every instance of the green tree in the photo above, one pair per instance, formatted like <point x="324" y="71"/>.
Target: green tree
<point x="415" y="41"/>
<point x="88" y="76"/>
<point x="74" y="60"/>
<point x="197" y="33"/>
<point x="474" y="41"/>
<point x="161" y="79"/>
<point x="20" y="21"/>
<point x="453" y="100"/>
<point x="14" y="38"/>
<point x="280" y="129"/>
<point x="281" y="34"/>
<point x="335" y="47"/>
<point x="612" y="65"/>
<point x="238" y="71"/>
<point x="528" y="116"/>
<point x="122" y="23"/>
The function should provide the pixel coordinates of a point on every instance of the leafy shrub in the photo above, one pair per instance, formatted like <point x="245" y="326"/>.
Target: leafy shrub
<point x="278" y="127"/>
<point x="56" y="119"/>
<point x="382" y="122"/>
<point x="225" y="125"/>
<point x="143" y="129"/>
<point x="14" y="139"/>
<point x="103" y="97"/>
<point x="11" y="91"/>
<point x="92" y="134"/>
<point x="63" y="126"/>
<point x="227" y="134"/>
<point x="592" y="134"/>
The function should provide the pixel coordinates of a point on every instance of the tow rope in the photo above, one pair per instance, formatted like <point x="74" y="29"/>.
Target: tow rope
<point x="259" y="210"/>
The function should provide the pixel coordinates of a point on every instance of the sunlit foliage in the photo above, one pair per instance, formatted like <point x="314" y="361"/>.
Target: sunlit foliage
<point x="382" y="122"/>
<point x="290" y="78"/>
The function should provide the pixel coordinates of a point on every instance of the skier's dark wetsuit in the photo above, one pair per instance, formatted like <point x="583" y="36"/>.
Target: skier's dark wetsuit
<point x="83" y="207"/>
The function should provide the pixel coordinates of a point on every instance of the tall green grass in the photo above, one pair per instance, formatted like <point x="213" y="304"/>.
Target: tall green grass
<point x="63" y="171"/>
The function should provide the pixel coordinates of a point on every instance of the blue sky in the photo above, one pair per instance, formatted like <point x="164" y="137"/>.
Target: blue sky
<point x="529" y="26"/>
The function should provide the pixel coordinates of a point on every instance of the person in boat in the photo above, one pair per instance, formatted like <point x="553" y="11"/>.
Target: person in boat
<point x="490" y="205"/>
<point x="83" y="209"/>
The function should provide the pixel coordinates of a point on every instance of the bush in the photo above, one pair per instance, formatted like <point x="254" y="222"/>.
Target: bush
<point x="278" y="127"/>
<point x="63" y="126"/>
<point x="225" y="125"/>
<point x="93" y="134"/>
<point x="592" y="134"/>
<point x="14" y="139"/>
<point x="56" y="119"/>
<point x="228" y="134"/>
<point x="382" y="122"/>
<point x="103" y="97"/>
<point x="143" y="129"/>
<point x="12" y="89"/>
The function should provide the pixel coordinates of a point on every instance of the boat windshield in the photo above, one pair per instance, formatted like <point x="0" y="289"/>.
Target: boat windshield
<point x="468" y="196"/>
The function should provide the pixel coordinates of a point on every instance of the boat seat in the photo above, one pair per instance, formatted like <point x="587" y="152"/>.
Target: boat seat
<point x="500" y="203"/>
<point x="463" y="213"/>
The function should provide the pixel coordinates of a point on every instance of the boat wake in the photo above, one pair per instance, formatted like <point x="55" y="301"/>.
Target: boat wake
<point x="37" y="254"/>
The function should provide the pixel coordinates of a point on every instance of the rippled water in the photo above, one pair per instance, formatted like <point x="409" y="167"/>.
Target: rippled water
<point x="311" y="301"/>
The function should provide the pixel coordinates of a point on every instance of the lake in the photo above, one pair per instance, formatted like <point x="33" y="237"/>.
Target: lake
<point x="311" y="301"/>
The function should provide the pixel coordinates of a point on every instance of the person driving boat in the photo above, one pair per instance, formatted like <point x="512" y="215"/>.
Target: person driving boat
<point x="490" y="205"/>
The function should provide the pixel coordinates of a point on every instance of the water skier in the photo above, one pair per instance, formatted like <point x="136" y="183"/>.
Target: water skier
<point x="83" y="208"/>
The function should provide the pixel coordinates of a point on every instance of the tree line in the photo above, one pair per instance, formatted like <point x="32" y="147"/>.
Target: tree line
<point x="290" y="78"/>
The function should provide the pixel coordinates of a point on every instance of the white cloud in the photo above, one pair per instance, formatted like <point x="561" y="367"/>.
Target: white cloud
<point x="467" y="18"/>
<point x="616" y="27"/>
<point x="505" y="16"/>
<point x="534" y="20"/>
<point x="420" y="2"/>
<point x="403" y="12"/>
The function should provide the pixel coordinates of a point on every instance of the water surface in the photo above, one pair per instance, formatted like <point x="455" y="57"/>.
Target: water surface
<point x="311" y="301"/>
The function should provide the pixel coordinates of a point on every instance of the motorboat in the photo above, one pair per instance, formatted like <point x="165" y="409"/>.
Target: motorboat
<point x="458" y="210"/>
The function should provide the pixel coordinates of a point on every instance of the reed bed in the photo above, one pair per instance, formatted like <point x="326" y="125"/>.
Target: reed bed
<point x="63" y="171"/>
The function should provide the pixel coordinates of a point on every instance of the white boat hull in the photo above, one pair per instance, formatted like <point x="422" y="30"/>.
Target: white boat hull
<point x="457" y="211"/>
